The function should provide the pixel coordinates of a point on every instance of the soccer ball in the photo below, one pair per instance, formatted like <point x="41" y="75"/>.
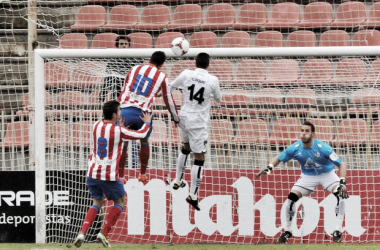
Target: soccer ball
<point x="180" y="46"/>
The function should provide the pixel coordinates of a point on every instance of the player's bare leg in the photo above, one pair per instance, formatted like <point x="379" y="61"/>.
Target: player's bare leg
<point x="293" y="197"/>
<point x="181" y="165"/>
<point x="144" y="155"/>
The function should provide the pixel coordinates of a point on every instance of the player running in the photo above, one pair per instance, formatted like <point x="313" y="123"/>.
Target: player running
<point x="198" y="88"/>
<point x="103" y="168"/>
<point x="142" y="84"/>
<point x="317" y="160"/>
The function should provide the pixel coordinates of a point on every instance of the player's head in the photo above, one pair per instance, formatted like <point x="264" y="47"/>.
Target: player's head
<point x="158" y="58"/>
<point x="123" y="42"/>
<point x="307" y="132"/>
<point x="111" y="110"/>
<point x="202" y="60"/>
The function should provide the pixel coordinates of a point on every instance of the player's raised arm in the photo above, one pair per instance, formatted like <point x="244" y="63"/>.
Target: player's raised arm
<point x="273" y="163"/>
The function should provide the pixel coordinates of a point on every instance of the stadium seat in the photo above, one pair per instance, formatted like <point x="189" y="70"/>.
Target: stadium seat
<point x="86" y="74"/>
<point x="48" y="99"/>
<point x="251" y="16"/>
<point x="373" y="75"/>
<point x="250" y="72"/>
<point x="268" y="39"/>
<point x="251" y="132"/>
<point x="104" y="41"/>
<point x="154" y="17"/>
<point x="349" y="71"/>
<point x="284" y="15"/>
<point x="175" y="137"/>
<point x="73" y="41"/>
<point x="373" y="20"/>
<point x="121" y="18"/>
<point x="374" y="138"/>
<point x="235" y="39"/>
<point x="301" y="38"/>
<point x="349" y="15"/>
<point x="316" y="72"/>
<point x="221" y="132"/>
<point x="69" y="98"/>
<point x="220" y="16"/>
<point x="16" y="135"/>
<point x="93" y="99"/>
<point x="82" y="131"/>
<point x="159" y="134"/>
<point x="56" y="133"/>
<point x="56" y="74"/>
<point x="186" y="17"/>
<point x="365" y="97"/>
<point x="334" y="38"/>
<point x="324" y="129"/>
<point x="234" y="102"/>
<point x="203" y="39"/>
<point x="285" y="131"/>
<point x="351" y="132"/>
<point x="140" y="40"/>
<point x="90" y="18"/>
<point x="282" y="72"/>
<point x="299" y="100"/>
<point x="317" y="15"/>
<point x="366" y="38"/>
<point x="179" y="66"/>
<point x="102" y="1"/>
<point x="221" y="69"/>
<point x="266" y="101"/>
<point x="164" y="40"/>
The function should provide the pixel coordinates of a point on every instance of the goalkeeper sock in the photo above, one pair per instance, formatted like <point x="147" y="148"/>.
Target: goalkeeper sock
<point x="339" y="212"/>
<point x="144" y="157"/>
<point x="181" y="164"/>
<point x="196" y="178"/>
<point x="89" y="219"/>
<point x="111" y="218"/>
<point x="289" y="210"/>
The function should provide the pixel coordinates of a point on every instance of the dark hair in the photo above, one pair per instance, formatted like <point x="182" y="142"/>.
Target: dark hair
<point x="123" y="38"/>
<point x="109" y="108"/>
<point x="158" y="58"/>
<point x="202" y="60"/>
<point x="307" y="123"/>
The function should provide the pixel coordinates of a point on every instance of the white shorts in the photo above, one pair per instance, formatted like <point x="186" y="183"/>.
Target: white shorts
<point x="194" y="132"/>
<point x="307" y="183"/>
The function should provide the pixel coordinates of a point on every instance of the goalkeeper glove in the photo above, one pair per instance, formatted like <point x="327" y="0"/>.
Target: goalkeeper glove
<point x="342" y="190"/>
<point x="143" y="178"/>
<point x="265" y="171"/>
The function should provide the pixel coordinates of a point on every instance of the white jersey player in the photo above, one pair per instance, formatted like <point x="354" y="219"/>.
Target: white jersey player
<point x="317" y="160"/>
<point x="198" y="89"/>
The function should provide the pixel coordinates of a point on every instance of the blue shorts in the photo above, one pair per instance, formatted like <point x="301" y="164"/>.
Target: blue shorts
<point x="113" y="190"/>
<point x="133" y="120"/>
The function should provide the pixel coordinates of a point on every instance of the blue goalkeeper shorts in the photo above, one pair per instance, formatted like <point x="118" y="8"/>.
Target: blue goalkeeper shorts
<point x="113" y="190"/>
<point x="133" y="121"/>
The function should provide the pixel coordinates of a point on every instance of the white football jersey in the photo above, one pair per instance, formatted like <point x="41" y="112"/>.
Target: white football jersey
<point x="198" y="89"/>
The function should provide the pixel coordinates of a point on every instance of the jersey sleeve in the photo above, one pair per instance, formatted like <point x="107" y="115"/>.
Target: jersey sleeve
<point x="287" y="154"/>
<point x="168" y="99"/>
<point x="217" y="94"/>
<point x="178" y="82"/>
<point x="330" y="154"/>
<point x="129" y="134"/>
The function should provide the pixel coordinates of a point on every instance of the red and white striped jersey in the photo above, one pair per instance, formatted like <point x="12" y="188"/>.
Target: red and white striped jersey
<point x="108" y="141"/>
<point x="141" y="86"/>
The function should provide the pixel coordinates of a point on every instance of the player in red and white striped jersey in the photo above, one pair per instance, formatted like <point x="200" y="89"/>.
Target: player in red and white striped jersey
<point x="103" y="168"/>
<point x="142" y="84"/>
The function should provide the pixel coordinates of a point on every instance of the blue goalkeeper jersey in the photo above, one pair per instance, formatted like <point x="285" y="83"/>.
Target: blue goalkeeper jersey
<point x="318" y="159"/>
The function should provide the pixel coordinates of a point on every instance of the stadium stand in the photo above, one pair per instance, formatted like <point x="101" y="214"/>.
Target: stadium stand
<point x="140" y="40"/>
<point x="86" y="75"/>
<point x="154" y="17"/>
<point x="317" y="15"/>
<point x="56" y="74"/>
<point x="121" y="18"/>
<point x="282" y="72"/>
<point x="235" y="39"/>
<point x="81" y="133"/>
<point x="366" y="38"/>
<point x="56" y="133"/>
<point x="349" y="71"/>
<point x="16" y="135"/>
<point x="73" y="41"/>
<point x="90" y="18"/>
<point x="222" y="69"/>
<point x="334" y="38"/>
<point x="250" y="72"/>
<point x="269" y="38"/>
<point x="203" y="39"/>
<point x="251" y="16"/>
<point x="349" y="15"/>
<point x="219" y="16"/>
<point x="301" y="38"/>
<point x="373" y="74"/>
<point x="104" y="41"/>
<point x="186" y="17"/>
<point x="316" y="72"/>
<point x="324" y="129"/>
<point x="69" y="98"/>
<point x="285" y="131"/>
<point x="284" y="15"/>
<point x="351" y="132"/>
<point x="164" y="40"/>
<point x="373" y="19"/>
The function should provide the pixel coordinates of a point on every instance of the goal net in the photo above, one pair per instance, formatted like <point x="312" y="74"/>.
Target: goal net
<point x="267" y="94"/>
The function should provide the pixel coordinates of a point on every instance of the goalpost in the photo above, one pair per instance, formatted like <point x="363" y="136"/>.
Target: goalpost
<point x="267" y="94"/>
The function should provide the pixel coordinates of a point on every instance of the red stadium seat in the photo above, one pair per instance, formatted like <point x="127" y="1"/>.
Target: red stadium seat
<point x="69" y="98"/>
<point x="317" y="15"/>
<point x="349" y="71"/>
<point x="104" y="41"/>
<point x="56" y="133"/>
<point x="251" y="132"/>
<point x="203" y="39"/>
<point x="366" y="96"/>
<point x="221" y="132"/>
<point x="221" y="69"/>
<point x="266" y="101"/>
<point x="334" y="38"/>
<point x="350" y="15"/>
<point x="250" y="72"/>
<point x="351" y="132"/>
<point x="140" y="40"/>
<point x="180" y="66"/>
<point x="122" y="17"/>
<point x="186" y="17"/>
<point x="366" y="38"/>
<point x="373" y="75"/>
<point x="316" y="71"/>
<point x="299" y="101"/>
<point x="93" y="98"/>
<point x="373" y="20"/>
<point x="375" y="134"/>
<point x="86" y="74"/>
<point x="82" y="131"/>
<point x="284" y="16"/>
<point x="268" y="39"/>
<point x="235" y="39"/>
<point x="220" y="16"/>
<point x="48" y="99"/>
<point x="154" y="17"/>
<point x="285" y="131"/>
<point x="324" y="129"/>
<point x="164" y="40"/>
<point x="251" y="16"/>
<point x="56" y="74"/>
<point x="282" y="72"/>
<point x="73" y="41"/>
<point x="234" y="102"/>
<point x="301" y="38"/>
<point x="16" y="135"/>
<point x="90" y="18"/>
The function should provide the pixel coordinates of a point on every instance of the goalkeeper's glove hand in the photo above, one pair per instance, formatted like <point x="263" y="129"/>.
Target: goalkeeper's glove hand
<point x="267" y="170"/>
<point x="342" y="190"/>
<point x="143" y="178"/>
